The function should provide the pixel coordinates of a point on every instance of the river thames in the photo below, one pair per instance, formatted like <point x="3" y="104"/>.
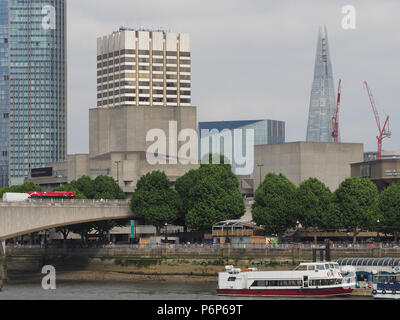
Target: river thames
<point x="111" y="290"/>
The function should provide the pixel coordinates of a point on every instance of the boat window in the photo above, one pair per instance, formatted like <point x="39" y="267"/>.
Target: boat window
<point x="232" y="279"/>
<point x="337" y="266"/>
<point x="301" y="268"/>
<point x="320" y="267"/>
<point x="311" y="268"/>
<point x="327" y="266"/>
<point x="338" y="281"/>
<point x="284" y="283"/>
<point x="259" y="283"/>
<point x="331" y="266"/>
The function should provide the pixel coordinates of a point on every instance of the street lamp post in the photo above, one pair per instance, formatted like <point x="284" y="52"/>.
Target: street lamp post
<point x="166" y="233"/>
<point x="260" y="166"/>
<point x="379" y="236"/>
<point x="118" y="162"/>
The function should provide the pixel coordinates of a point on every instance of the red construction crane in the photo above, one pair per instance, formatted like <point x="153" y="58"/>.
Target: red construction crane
<point x="384" y="132"/>
<point x="335" y="119"/>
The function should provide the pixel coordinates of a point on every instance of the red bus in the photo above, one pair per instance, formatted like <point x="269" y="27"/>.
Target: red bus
<point x="51" y="195"/>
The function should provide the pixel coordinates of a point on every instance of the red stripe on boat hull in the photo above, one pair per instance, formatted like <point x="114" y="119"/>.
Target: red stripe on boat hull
<point x="286" y="292"/>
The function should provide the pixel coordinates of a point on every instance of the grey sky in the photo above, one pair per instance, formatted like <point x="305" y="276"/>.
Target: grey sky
<point x="253" y="59"/>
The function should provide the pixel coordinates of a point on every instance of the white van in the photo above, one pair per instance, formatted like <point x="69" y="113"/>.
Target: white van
<point x="15" y="197"/>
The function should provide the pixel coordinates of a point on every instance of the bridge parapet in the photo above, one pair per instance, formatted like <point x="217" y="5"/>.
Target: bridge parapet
<point x="20" y="218"/>
<point x="83" y="203"/>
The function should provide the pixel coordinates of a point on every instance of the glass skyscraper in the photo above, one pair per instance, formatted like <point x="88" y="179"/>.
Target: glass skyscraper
<point x="37" y="85"/>
<point x="322" y="102"/>
<point x="4" y="94"/>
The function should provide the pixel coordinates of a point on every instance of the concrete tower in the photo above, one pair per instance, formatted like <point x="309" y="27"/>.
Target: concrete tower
<point x="322" y="101"/>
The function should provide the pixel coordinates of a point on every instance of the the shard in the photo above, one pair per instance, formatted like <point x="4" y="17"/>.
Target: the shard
<point x="322" y="101"/>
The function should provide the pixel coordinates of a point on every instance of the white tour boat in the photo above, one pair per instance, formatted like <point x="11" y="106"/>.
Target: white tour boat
<point x="308" y="279"/>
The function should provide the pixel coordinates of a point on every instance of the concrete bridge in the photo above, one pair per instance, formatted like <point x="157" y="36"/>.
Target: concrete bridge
<point x="17" y="219"/>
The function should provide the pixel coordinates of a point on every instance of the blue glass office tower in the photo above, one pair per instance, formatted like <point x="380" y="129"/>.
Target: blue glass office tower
<point x="322" y="101"/>
<point x="37" y="76"/>
<point x="4" y="94"/>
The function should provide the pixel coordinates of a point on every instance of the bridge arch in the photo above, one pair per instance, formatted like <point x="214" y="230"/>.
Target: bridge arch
<point x="17" y="219"/>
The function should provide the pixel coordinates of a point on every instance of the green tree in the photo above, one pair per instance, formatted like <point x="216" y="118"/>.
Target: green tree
<point x="183" y="185"/>
<point x="85" y="185"/>
<point x="106" y="187"/>
<point x="102" y="187"/>
<point x="388" y="210"/>
<point x="26" y="187"/>
<point x="212" y="194"/>
<point x="274" y="205"/>
<point x="66" y="230"/>
<point x="83" y="229"/>
<point x="70" y="188"/>
<point x="155" y="200"/>
<point x="314" y="200"/>
<point x="357" y="199"/>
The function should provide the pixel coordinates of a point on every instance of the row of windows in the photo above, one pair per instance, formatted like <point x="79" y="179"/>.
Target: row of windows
<point x="141" y="99"/>
<point x="146" y="68"/>
<point x="144" y="91"/>
<point x="142" y="76"/>
<point x="277" y="283"/>
<point x="325" y="282"/>
<point x="292" y="283"/>
<point x="141" y="52"/>
<point x="141" y="60"/>
<point x="142" y="83"/>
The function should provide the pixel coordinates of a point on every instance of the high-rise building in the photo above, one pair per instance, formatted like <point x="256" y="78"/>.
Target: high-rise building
<point x="37" y="85"/>
<point x="143" y="68"/>
<point x="322" y="102"/>
<point x="4" y="94"/>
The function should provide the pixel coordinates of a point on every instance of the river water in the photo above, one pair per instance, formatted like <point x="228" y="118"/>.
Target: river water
<point x="141" y="290"/>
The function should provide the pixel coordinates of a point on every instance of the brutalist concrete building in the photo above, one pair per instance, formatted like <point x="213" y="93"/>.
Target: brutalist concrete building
<point x="144" y="84"/>
<point x="298" y="161"/>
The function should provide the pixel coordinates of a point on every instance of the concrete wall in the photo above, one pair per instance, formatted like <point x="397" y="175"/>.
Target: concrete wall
<point x="124" y="129"/>
<point x="298" y="161"/>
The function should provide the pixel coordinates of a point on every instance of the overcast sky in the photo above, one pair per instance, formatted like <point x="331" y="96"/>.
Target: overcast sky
<point x="253" y="59"/>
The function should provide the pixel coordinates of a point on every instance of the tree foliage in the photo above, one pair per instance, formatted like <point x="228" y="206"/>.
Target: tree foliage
<point x="102" y="187"/>
<point x="314" y="200"/>
<point x="210" y="194"/>
<point x="70" y="188"/>
<point x="155" y="200"/>
<point x="274" y="205"/>
<point x="356" y="199"/>
<point x="26" y="187"/>
<point x="388" y="210"/>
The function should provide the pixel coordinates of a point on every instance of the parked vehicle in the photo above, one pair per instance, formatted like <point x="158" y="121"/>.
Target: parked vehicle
<point x="15" y="197"/>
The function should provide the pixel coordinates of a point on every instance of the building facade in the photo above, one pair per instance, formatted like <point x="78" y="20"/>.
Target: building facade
<point x="298" y="161"/>
<point x="144" y="84"/>
<point x="265" y="132"/>
<point x="382" y="172"/>
<point x="322" y="101"/>
<point x="37" y="85"/>
<point x="4" y="94"/>
<point x="143" y="68"/>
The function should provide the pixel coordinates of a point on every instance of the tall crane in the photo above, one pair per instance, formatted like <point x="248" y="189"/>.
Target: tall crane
<point x="335" y="119"/>
<point x="384" y="132"/>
